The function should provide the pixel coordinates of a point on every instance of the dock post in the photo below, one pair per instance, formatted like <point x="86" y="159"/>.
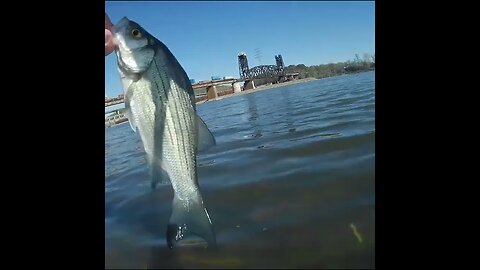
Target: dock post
<point x="236" y="87"/>
<point x="249" y="84"/>
<point x="212" y="92"/>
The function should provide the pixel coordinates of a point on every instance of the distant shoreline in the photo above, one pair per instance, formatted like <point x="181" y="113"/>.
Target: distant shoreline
<point x="266" y="87"/>
<point x="263" y="87"/>
<point x="270" y="86"/>
<point x="259" y="88"/>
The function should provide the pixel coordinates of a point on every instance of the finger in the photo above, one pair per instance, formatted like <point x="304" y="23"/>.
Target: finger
<point x="108" y="23"/>
<point x="109" y="44"/>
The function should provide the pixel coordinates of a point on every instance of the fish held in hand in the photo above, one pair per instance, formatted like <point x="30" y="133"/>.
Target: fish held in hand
<point x="160" y="107"/>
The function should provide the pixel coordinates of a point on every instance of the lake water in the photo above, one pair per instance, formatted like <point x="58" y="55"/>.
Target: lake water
<point x="290" y="183"/>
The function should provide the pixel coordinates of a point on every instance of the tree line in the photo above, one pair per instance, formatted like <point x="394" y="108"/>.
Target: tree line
<point x="367" y="62"/>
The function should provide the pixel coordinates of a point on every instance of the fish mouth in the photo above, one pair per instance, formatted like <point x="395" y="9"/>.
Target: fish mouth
<point x="120" y="24"/>
<point x="117" y="29"/>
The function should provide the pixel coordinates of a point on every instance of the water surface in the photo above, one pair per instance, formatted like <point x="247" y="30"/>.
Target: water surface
<point x="290" y="184"/>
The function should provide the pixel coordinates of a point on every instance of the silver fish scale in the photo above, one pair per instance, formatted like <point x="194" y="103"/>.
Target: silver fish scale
<point x="159" y="94"/>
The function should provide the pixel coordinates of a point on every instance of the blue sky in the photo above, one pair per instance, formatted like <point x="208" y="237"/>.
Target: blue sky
<point x="206" y="37"/>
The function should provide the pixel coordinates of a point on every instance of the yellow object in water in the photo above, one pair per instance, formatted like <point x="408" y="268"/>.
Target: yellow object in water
<point x="356" y="233"/>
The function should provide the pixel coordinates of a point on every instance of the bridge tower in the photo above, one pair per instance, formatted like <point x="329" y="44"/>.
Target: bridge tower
<point x="279" y="61"/>
<point x="280" y="67"/>
<point x="243" y="66"/>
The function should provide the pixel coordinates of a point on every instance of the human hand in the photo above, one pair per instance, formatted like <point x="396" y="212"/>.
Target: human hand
<point x="109" y="44"/>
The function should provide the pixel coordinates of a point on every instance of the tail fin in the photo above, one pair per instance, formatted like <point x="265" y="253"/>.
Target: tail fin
<point x="190" y="225"/>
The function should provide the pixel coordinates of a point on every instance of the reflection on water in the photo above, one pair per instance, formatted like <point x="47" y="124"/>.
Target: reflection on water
<point x="287" y="109"/>
<point x="253" y="116"/>
<point x="290" y="183"/>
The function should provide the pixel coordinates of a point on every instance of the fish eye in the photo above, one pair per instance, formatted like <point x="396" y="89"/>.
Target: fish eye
<point x="136" y="33"/>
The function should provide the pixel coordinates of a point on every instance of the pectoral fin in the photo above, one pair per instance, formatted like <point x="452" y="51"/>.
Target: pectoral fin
<point x="129" y="104"/>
